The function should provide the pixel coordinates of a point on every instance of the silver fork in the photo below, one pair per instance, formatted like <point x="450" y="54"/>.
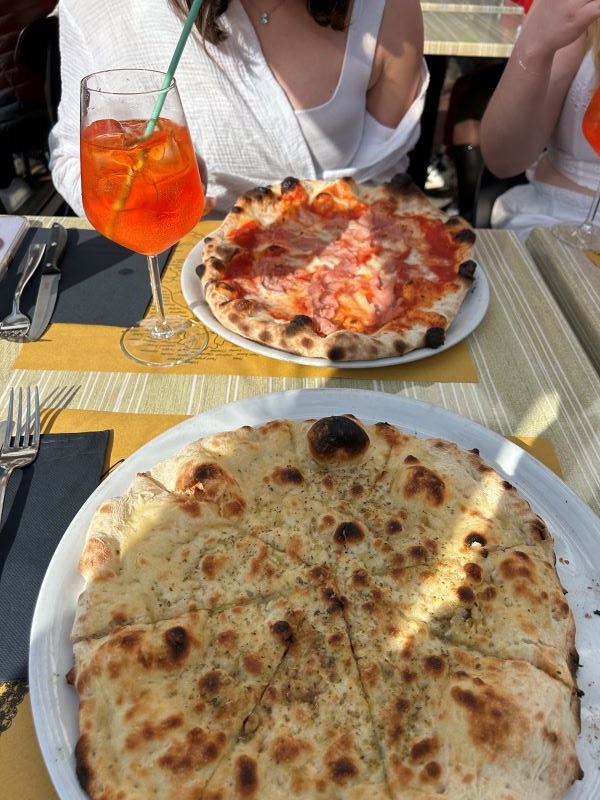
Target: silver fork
<point x="17" y="323"/>
<point x="22" y="437"/>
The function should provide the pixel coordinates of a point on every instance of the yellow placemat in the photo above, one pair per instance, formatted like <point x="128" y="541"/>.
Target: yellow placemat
<point x="96" y="348"/>
<point x="593" y="256"/>
<point x="93" y="348"/>
<point x="24" y="774"/>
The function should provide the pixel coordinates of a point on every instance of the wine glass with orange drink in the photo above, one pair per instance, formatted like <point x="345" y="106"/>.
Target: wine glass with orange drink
<point x="586" y="235"/>
<point x="141" y="188"/>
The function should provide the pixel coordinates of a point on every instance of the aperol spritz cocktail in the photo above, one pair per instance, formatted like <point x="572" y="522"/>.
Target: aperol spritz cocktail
<point x="141" y="188"/>
<point x="586" y="235"/>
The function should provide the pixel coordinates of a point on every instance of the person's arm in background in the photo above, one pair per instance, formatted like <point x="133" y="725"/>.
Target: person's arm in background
<point x="526" y="104"/>
<point x="398" y="62"/>
<point x="76" y="62"/>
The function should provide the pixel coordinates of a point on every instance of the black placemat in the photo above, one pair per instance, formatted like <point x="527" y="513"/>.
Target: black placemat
<point x="102" y="283"/>
<point x="41" y="501"/>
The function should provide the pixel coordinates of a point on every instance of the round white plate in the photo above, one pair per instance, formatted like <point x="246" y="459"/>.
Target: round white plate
<point x="575" y="527"/>
<point x="470" y="314"/>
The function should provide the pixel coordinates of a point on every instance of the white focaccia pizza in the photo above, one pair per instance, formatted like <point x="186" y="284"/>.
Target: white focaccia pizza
<point x="325" y="610"/>
<point x="338" y="270"/>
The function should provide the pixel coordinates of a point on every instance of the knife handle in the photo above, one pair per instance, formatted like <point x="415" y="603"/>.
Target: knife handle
<point x="58" y="240"/>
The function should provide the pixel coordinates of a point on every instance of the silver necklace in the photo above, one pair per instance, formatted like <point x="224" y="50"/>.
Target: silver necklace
<point x="265" y="16"/>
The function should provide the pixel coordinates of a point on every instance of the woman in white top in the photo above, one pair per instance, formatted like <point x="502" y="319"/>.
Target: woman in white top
<point x="533" y="121"/>
<point x="309" y="88"/>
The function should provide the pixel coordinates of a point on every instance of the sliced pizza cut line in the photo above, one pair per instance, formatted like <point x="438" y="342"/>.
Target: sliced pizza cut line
<point x="311" y="734"/>
<point x="468" y="605"/>
<point x="159" y="703"/>
<point x="453" y="723"/>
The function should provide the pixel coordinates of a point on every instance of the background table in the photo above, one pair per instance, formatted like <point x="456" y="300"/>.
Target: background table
<point x="574" y="279"/>
<point x="470" y="32"/>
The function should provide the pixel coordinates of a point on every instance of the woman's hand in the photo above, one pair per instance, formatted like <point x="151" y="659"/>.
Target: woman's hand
<point x="553" y="24"/>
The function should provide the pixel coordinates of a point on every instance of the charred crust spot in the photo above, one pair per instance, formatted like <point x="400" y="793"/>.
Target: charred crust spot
<point x="475" y="539"/>
<point x="508" y="486"/>
<point x="298" y="324"/>
<point x="336" y="353"/>
<point x="211" y="681"/>
<point x="489" y="593"/>
<point x="246" y="777"/>
<point x="464" y="236"/>
<point x="283" y="631"/>
<point x="539" y="529"/>
<point x="337" y="439"/>
<point x="348" y="533"/>
<point x="465" y="594"/>
<point x="342" y="768"/>
<point x="177" y="641"/>
<point x="422" y="480"/>
<point x="289" y="184"/>
<point x="286" y="749"/>
<point x="423" y="749"/>
<point x="418" y="552"/>
<point x="435" y="337"/>
<point x="393" y="526"/>
<point x="432" y="771"/>
<point x="284" y="476"/>
<point x="335" y="601"/>
<point x="200" y="270"/>
<point x="411" y="460"/>
<point x="129" y="640"/>
<point x="82" y="767"/>
<point x="259" y="193"/>
<point x="467" y="269"/>
<point x="434" y="664"/>
<point x="360" y="577"/>
<point x="474" y="572"/>
<point x="402" y="705"/>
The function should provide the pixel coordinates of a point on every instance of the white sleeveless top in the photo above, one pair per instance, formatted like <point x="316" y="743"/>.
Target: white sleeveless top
<point x="330" y="129"/>
<point x="568" y="149"/>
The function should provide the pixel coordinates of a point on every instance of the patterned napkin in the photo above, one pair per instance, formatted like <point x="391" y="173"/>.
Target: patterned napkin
<point x="41" y="501"/>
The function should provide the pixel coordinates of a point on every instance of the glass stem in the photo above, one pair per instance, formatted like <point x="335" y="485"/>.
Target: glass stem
<point x="161" y="329"/>
<point x="589" y="220"/>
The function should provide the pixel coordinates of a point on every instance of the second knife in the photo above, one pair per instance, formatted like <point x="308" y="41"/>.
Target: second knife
<point x="48" y="289"/>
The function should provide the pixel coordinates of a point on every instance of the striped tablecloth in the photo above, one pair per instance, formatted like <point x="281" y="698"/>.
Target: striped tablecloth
<point x="574" y="279"/>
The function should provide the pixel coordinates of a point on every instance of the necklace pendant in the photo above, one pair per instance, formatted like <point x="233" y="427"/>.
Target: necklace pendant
<point x="264" y="18"/>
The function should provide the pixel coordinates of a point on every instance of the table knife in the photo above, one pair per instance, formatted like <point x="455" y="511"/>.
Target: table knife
<point x="48" y="289"/>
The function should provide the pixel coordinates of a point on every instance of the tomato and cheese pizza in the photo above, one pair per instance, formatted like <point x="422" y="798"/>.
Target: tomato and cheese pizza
<point x="338" y="270"/>
<point x="323" y="610"/>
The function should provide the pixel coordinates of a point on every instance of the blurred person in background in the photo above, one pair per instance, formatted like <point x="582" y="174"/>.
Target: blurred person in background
<point x="308" y="88"/>
<point x="24" y="122"/>
<point x="533" y="120"/>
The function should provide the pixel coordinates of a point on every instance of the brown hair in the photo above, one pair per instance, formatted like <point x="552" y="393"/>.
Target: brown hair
<point x="332" y="13"/>
<point x="594" y="44"/>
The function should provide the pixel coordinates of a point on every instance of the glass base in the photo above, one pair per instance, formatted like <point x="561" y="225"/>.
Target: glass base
<point x="585" y="236"/>
<point x="149" y="343"/>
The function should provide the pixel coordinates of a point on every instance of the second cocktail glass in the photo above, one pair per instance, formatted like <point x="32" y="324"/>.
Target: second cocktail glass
<point x="586" y="235"/>
<point x="141" y="188"/>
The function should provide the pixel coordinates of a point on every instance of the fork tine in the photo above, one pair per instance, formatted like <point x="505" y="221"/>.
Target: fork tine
<point x="19" y="429"/>
<point x="9" y="418"/>
<point x="36" y="418"/>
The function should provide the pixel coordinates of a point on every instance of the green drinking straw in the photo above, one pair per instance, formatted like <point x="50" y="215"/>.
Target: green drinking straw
<point x="191" y="18"/>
